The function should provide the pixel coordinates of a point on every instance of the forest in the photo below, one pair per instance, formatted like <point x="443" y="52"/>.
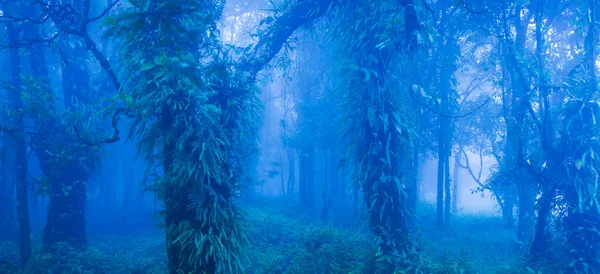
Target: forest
<point x="299" y="136"/>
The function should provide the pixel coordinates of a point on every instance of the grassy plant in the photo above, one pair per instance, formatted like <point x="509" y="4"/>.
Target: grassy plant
<point x="284" y="244"/>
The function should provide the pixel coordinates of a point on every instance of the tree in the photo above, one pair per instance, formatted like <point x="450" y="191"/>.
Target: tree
<point x="377" y="128"/>
<point x="578" y="145"/>
<point x="65" y="156"/>
<point x="191" y="110"/>
<point x="19" y="150"/>
<point x="447" y="53"/>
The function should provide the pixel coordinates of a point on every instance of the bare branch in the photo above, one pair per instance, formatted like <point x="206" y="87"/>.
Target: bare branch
<point x="114" y="123"/>
<point x="467" y="166"/>
<point x="103" y="13"/>
<point x="30" y="42"/>
<point x="102" y="60"/>
<point x="463" y="115"/>
<point x="12" y="19"/>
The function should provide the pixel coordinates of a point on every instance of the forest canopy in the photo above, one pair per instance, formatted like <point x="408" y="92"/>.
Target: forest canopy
<point x="299" y="136"/>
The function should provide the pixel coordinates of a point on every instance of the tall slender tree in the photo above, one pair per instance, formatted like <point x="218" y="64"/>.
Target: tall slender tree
<point x="20" y="147"/>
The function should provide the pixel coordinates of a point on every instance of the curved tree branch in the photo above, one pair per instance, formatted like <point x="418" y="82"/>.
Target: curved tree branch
<point x="114" y="123"/>
<point x="467" y="166"/>
<point x="277" y="34"/>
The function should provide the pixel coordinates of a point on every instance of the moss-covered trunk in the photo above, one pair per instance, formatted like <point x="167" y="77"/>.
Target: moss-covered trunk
<point x="380" y="130"/>
<point x="67" y="178"/>
<point x="196" y="116"/>
<point x="176" y="201"/>
<point x="65" y="221"/>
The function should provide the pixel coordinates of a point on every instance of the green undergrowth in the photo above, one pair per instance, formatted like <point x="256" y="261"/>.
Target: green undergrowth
<point x="284" y="244"/>
<point x="106" y="254"/>
<point x="8" y="257"/>
<point x="474" y="243"/>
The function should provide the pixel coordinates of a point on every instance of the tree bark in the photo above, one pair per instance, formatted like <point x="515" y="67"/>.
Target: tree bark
<point x="516" y="111"/>
<point x="302" y="176"/>
<point x="440" y="177"/>
<point x="448" y="200"/>
<point x="326" y="187"/>
<point x="455" y="185"/>
<point x="8" y="218"/>
<point x="20" y="152"/>
<point x="291" y="180"/>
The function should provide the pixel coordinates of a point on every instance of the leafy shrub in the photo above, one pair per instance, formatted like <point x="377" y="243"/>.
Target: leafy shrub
<point x="9" y="257"/>
<point x="92" y="260"/>
<point x="284" y="245"/>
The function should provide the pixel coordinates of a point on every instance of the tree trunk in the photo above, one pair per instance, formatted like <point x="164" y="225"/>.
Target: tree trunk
<point x="527" y="192"/>
<point x="306" y="183"/>
<point x="455" y="185"/>
<point x="509" y="200"/>
<point x="66" y="219"/>
<point x="541" y="239"/>
<point x="282" y="172"/>
<point x="342" y="188"/>
<point x="447" y="50"/>
<point x="310" y="178"/>
<point x="447" y="206"/>
<point x="291" y="181"/>
<point x="515" y="111"/>
<point x="326" y="187"/>
<point x="177" y="209"/>
<point x="302" y="176"/>
<point x="8" y="219"/>
<point x="413" y="185"/>
<point x="379" y="172"/>
<point x="440" y="179"/>
<point x="20" y="152"/>
<point x="333" y="177"/>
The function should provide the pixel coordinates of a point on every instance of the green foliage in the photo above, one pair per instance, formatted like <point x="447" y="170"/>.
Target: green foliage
<point x="318" y="105"/>
<point x="476" y="244"/>
<point x="471" y="244"/>
<point x="375" y="123"/>
<point x="284" y="245"/>
<point x="320" y="124"/>
<point x="482" y="130"/>
<point x="580" y="147"/>
<point x="62" y="135"/>
<point x="92" y="260"/>
<point x="187" y="121"/>
<point x="9" y="257"/>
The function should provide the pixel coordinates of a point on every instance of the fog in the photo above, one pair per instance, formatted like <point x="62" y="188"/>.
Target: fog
<point x="299" y="136"/>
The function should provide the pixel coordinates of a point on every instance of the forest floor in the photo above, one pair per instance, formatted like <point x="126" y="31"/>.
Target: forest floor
<point x="282" y="244"/>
